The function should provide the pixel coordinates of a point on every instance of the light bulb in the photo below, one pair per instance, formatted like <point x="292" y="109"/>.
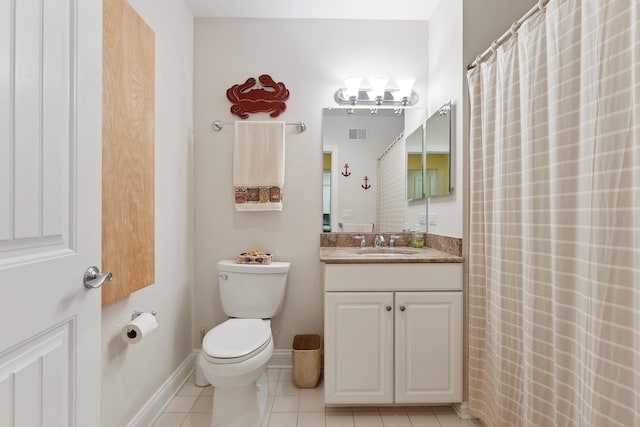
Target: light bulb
<point x="405" y="86"/>
<point x="353" y="86"/>
<point x="378" y="84"/>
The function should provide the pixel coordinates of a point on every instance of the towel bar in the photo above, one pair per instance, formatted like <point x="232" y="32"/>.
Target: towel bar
<point x="218" y="125"/>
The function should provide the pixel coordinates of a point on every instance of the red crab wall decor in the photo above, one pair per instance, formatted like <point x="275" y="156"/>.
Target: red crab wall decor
<point x="270" y="98"/>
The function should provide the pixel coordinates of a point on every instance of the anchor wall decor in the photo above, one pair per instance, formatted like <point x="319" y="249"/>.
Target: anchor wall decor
<point x="270" y="98"/>
<point x="346" y="170"/>
<point x="366" y="184"/>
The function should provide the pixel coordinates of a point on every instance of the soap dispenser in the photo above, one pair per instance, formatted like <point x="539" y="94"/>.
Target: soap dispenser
<point x="417" y="240"/>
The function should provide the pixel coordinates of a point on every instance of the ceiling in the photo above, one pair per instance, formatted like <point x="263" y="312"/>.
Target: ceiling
<point x="304" y="9"/>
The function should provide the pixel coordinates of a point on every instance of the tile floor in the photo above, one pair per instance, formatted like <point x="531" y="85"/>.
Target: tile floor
<point x="289" y="406"/>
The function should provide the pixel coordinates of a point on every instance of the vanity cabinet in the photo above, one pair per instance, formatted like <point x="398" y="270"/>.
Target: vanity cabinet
<point x="400" y="343"/>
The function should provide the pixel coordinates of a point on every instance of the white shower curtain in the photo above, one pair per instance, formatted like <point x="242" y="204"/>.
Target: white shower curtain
<point x="554" y="256"/>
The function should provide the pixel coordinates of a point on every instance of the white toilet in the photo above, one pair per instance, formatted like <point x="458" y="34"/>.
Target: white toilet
<point x="235" y="353"/>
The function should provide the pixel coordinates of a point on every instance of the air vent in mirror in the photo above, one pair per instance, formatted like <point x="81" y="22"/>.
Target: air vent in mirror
<point x="357" y="134"/>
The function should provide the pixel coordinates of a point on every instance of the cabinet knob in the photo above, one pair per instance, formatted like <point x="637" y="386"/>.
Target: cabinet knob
<point x="388" y="308"/>
<point x="403" y="308"/>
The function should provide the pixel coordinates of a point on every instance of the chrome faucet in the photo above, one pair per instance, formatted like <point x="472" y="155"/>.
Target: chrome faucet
<point x="392" y="241"/>
<point x="363" y="244"/>
<point x="377" y="243"/>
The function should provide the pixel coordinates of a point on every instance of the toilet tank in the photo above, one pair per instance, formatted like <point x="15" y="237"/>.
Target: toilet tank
<point x="253" y="291"/>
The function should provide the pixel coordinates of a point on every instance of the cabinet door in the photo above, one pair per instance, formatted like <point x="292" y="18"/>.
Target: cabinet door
<point x="428" y="334"/>
<point x="358" y="347"/>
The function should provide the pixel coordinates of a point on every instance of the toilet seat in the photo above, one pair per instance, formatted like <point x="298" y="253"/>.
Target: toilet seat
<point x="236" y="340"/>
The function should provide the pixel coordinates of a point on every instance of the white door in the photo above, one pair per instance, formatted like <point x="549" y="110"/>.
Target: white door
<point x="428" y="347"/>
<point x="358" y="347"/>
<point x="50" y="133"/>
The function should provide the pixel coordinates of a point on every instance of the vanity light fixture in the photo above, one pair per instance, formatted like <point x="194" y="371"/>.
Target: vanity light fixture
<point x="378" y="85"/>
<point x="352" y="89"/>
<point x="405" y="89"/>
<point x="378" y="95"/>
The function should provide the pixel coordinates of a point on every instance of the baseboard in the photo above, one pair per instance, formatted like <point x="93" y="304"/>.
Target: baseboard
<point x="462" y="409"/>
<point x="161" y="398"/>
<point x="280" y="359"/>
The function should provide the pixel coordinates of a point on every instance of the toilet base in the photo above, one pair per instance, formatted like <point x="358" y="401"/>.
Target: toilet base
<point x="242" y="406"/>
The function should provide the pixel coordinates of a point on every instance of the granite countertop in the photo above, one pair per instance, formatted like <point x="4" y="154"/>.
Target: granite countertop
<point x="399" y="254"/>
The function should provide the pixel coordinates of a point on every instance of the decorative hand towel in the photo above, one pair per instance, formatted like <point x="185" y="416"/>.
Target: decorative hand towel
<point x="258" y="165"/>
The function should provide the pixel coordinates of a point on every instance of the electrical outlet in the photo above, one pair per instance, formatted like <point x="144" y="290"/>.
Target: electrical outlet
<point x="347" y="213"/>
<point x="433" y="218"/>
<point x="422" y="219"/>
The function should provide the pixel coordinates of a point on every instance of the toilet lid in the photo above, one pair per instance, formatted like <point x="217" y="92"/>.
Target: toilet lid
<point x="236" y="338"/>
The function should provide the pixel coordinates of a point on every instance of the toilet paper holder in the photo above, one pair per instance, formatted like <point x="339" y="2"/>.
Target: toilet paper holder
<point x="138" y="313"/>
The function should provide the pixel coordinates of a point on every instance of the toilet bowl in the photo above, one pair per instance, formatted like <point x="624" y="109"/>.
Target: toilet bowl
<point x="233" y="358"/>
<point x="235" y="353"/>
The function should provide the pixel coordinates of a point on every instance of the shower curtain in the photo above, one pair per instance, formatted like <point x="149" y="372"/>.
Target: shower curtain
<point x="391" y="197"/>
<point x="554" y="233"/>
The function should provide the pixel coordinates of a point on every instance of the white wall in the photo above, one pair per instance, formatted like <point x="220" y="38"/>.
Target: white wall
<point x="459" y="30"/>
<point x="446" y="72"/>
<point x="132" y="373"/>
<point x="486" y="20"/>
<point x="312" y="57"/>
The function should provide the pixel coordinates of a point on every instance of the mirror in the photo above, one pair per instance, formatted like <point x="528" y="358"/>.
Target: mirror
<point x="367" y="167"/>
<point x="439" y="134"/>
<point x="415" y="165"/>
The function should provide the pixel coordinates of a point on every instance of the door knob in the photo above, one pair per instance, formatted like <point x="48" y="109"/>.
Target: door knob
<point x="403" y="308"/>
<point x="388" y="308"/>
<point x="93" y="279"/>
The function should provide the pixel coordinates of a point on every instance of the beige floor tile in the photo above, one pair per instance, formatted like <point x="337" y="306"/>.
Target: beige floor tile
<point x="203" y="404"/>
<point x="273" y="374"/>
<point x="339" y="419"/>
<point x="287" y="388"/>
<point x="319" y="390"/>
<point x="423" y="419"/>
<point x="443" y="409"/>
<point x="285" y="375"/>
<point x="311" y="419"/>
<point x="283" y="419"/>
<point x="451" y="420"/>
<point x="197" y="420"/>
<point x="181" y="404"/>
<point x="370" y="418"/>
<point x="395" y="418"/>
<point x="329" y="409"/>
<point x="273" y="387"/>
<point x="311" y="403"/>
<point x="289" y="406"/>
<point x="170" y="419"/>
<point x="285" y="404"/>
<point x="424" y="410"/>
<point x="269" y="407"/>
<point x="190" y="389"/>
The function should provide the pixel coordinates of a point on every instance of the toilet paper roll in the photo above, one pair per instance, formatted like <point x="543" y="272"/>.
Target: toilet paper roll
<point x="138" y="328"/>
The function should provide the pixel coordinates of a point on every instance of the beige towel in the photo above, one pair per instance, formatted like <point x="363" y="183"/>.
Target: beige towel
<point x="258" y="165"/>
<point x="357" y="228"/>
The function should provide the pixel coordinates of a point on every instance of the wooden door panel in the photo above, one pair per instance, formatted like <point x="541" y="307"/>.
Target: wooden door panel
<point x="128" y="220"/>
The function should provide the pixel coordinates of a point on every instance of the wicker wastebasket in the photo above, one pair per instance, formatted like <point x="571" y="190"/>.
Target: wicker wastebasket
<point x="306" y="360"/>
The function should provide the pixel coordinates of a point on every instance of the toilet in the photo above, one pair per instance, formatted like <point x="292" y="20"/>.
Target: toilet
<point x="235" y="353"/>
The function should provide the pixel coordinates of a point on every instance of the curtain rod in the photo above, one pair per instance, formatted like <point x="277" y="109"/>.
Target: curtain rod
<point x="218" y="125"/>
<point x="508" y="34"/>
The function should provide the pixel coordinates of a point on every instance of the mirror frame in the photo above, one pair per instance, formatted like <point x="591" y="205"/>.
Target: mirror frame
<point x="448" y="109"/>
<point x="421" y="154"/>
